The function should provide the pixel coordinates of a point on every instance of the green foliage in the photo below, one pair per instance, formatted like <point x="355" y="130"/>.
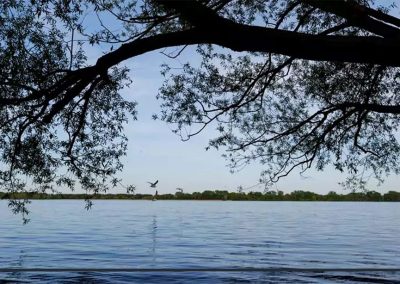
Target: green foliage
<point x="53" y="134"/>
<point x="391" y="196"/>
<point x="297" y="195"/>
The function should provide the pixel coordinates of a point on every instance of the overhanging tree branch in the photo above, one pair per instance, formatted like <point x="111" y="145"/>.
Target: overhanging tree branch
<point x="359" y="16"/>
<point x="241" y="37"/>
<point x="238" y="37"/>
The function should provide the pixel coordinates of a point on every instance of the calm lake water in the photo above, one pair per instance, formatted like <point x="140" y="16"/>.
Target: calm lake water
<point x="198" y="234"/>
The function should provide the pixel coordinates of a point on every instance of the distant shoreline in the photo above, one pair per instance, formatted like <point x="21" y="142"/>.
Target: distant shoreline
<point x="218" y="195"/>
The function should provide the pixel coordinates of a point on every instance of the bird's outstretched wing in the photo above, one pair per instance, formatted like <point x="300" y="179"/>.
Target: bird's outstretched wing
<point x="153" y="184"/>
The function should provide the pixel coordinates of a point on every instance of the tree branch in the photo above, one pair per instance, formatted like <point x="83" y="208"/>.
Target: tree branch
<point x="357" y="15"/>
<point x="214" y="29"/>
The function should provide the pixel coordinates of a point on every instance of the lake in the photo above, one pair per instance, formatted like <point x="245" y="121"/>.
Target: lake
<point x="201" y="234"/>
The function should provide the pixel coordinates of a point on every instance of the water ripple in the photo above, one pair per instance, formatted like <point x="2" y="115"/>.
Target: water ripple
<point x="181" y="234"/>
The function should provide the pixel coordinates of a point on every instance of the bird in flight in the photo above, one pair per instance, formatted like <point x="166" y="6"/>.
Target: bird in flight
<point x="179" y="189"/>
<point x="153" y="184"/>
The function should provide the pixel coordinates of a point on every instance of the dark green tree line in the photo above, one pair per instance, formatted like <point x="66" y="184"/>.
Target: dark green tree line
<point x="297" y="195"/>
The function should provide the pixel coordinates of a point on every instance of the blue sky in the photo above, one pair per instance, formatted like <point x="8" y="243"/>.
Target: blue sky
<point x="154" y="152"/>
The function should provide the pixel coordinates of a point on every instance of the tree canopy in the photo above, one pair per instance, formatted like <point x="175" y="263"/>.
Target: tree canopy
<point x="289" y="84"/>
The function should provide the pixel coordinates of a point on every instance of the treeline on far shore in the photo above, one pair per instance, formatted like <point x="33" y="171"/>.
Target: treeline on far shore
<point x="297" y="195"/>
